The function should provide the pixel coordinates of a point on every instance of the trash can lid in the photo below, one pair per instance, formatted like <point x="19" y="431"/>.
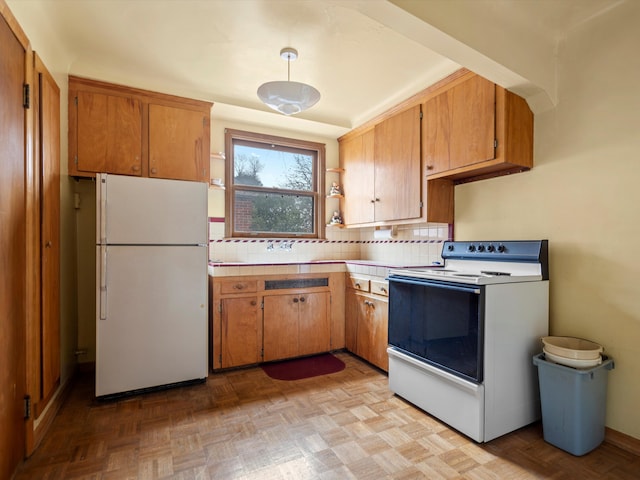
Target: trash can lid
<point x="570" y="347"/>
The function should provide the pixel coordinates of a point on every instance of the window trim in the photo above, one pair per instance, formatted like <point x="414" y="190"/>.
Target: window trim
<point x="230" y="135"/>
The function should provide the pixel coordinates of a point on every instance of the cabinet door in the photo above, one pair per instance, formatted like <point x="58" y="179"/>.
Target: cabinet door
<point x="48" y="128"/>
<point x="459" y="126"/>
<point x="398" y="182"/>
<point x="377" y="328"/>
<point x="314" y="323"/>
<point x="356" y="158"/>
<point x="241" y="339"/>
<point x="178" y="143"/>
<point x="353" y="309"/>
<point x="280" y="327"/>
<point x="109" y="134"/>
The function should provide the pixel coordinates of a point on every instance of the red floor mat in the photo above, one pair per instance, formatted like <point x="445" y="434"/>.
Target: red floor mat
<point x="307" y="367"/>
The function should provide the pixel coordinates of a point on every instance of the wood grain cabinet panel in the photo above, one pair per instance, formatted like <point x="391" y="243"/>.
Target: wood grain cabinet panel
<point x="128" y="131"/>
<point x="296" y="324"/>
<point x="476" y="129"/>
<point x="398" y="182"/>
<point x="366" y="324"/>
<point x="177" y="145"/>
<point x="241" y="331"/>
<point x="109" y="134"/>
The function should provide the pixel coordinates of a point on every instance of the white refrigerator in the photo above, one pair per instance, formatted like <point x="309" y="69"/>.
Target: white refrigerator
<point x="151" y="284"/>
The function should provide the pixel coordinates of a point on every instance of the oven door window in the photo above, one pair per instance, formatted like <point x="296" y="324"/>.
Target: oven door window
<point x="440" y="323"/>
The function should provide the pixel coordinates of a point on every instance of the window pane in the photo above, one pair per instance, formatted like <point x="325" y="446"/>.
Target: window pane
<point x="272" y="168"/>
<point x="268" y="212"/>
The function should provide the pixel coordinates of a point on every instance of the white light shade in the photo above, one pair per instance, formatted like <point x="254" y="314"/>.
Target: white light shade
<point x="288" y="97"/>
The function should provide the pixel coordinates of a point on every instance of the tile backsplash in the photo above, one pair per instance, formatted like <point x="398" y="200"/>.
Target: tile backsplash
<point x="410" y="244"/>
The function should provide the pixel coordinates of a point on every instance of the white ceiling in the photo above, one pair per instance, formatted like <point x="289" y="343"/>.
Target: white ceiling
<point x="360" y="54"/>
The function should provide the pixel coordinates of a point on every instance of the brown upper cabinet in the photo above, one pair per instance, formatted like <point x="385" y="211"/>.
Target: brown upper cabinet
<point x="475" y="129"/>
<point x="127" y="131"/>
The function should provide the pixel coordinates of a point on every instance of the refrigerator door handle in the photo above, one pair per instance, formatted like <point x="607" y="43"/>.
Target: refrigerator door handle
<point x="103" y="283"/>
<point x="102" y="219"/>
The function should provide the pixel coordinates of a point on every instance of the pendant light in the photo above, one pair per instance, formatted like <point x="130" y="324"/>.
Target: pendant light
<point x="288" y="97"/>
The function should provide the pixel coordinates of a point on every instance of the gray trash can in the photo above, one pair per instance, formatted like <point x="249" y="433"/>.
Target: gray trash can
<point x="573" y="404"/>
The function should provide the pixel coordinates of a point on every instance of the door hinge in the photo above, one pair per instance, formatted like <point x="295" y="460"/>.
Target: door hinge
<point x="75" y="159"/>
<point x="27" y="407"/>
<point x="421" y="115"/>
<point x="495" y="143"/>
<point x="76" y="100"/>
<point x="26" y="96"/>
<point x="262" y="305"/>
<point x="220" y="307"/>
<point x="421" y="204"/>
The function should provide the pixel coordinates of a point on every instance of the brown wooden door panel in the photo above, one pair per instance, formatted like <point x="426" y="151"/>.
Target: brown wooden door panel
<point x="109" y="134"/>
<point x="472" y="122"/>
<point x="314" y="323"/>
<point x="358" y="178"/>
<point x="12" y="250"/>
<point x="352" y="311"/>
<point x="436" y="137"/>
<point x="280" y="327"/>
<point x="398" y="181"/>
<point x="178" y="143"/>
<point x="49" y="123"/>
<point x="378" y="329"/>
<point x="241" y="340"/>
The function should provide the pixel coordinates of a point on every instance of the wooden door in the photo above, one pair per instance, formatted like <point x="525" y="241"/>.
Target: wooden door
<point x="48" y="152"/>
<point x="280" y="327"/>
<point x="398" y="180"/>
<point x="178" y="143"/>
<point x="459" y="126"/>
<point x="377" y="318"/>
<point x="13" y="240"/>
<point x="356" y="157"/>
<point x="436" y="133"/>
<point x="472" y="122"/>
<point x="352" y="312"/>
<point x="314" y="330"/>
<point x="241" y="332"/>
<point x="109" y="138"/>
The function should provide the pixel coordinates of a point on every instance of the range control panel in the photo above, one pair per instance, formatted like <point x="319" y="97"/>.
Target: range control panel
<point x="508" y="251"/>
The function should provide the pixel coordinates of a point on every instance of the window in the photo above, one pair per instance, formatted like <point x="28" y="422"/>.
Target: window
<point x="274" y="186"/>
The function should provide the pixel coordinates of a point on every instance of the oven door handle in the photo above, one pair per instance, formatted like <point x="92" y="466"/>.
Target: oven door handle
<point x="427" y="283"/>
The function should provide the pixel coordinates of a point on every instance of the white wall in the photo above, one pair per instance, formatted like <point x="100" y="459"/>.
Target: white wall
<point x="583" y="195"/>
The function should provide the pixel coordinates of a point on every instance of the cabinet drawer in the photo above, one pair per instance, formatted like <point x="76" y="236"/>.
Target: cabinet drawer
<point x="239" y="286"/>
<point x="380" y="287"/>
<point x="361" y="284"/>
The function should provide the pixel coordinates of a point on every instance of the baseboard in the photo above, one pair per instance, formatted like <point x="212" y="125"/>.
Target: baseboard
<point x="50" y="412"/>
<point x="622" y="440"/>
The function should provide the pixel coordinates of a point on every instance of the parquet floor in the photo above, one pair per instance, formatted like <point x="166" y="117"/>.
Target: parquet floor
<point x="244" y="425"/>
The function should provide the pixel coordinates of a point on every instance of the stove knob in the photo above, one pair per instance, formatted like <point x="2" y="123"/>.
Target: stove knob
<point x="501" y="248"/>
<point x="471" y="248"/>
<point x="490" y="248"/>
<point x="450" y="247"/>
<point x="481" y="248"/>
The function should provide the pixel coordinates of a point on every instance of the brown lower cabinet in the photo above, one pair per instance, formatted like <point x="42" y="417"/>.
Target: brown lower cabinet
<point x="251" y="324"/>
<point x="296" y="324"/>
<point x="366" y="326"/>
<point x="241" y="331"/>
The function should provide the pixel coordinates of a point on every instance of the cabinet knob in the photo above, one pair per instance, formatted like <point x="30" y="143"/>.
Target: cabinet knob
<point x="154" y="170"/>
<point x="136" y="168"/>
<point x="377" y="199"/>
<point x="253" y="303"/>
<point x="302" y="299"/>
<point x="429" y="167"/>
<point x="383" y="290"/>
<point x="357" y="285"/>
<point x="48" y="244"/>
<point x="238" y="286"/>
<point x="295" y="300"/>
<point x="373" y="201"/>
